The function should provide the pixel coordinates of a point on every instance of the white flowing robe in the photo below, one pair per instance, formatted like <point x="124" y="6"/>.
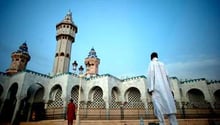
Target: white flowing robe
<point x="159" y="85"/>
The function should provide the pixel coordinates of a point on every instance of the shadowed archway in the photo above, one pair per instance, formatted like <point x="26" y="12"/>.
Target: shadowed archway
<point x="9" y="104"/>
<point x="217" y="99"/>
<point x="197" y="99"/>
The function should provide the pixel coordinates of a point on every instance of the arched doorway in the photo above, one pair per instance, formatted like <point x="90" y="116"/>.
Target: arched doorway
<point x="116" y="102"/>
<point x="75" y="94"/>
<point x="197" y="99"/>
<point x="9" y="104"/>
<point x="96" y="97"/>
<point x="37" y="109"/>
<point x="55" y="105"/>
<point x="32" y="106"/>
<point x="1" y="91"/>
<point x="55" y="97"/>
<point x="217" y="99"/>
<point x="133" y="98"/>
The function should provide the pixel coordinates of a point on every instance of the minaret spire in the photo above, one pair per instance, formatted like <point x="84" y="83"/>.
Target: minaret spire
<point x="92" y="63"/>
<point x="66" y="31"/>
<point x="20" y="59"/>
<point x="68" y="17"/>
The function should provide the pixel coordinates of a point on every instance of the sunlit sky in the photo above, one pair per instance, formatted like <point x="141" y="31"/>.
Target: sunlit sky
<point x="185" y="33"/>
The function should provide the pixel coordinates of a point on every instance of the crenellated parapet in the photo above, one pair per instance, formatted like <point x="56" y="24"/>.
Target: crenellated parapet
<point x="66" y="73"/>
<point x="134" y="78"/>
<point x="37" y="73"/>
<point x="214" y="82"/>
<point x="193" y="81"/>
<point x="101" y="76"/>
<point x="111" y="76"/>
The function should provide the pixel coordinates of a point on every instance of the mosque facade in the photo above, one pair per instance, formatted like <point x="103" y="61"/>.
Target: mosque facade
<point x="31" y="96"/>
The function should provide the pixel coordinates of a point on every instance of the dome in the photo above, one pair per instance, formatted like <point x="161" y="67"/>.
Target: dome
<point x="92" y="53"/>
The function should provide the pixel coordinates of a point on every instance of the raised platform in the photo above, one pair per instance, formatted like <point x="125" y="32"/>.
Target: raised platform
<point x="125" y="122"/>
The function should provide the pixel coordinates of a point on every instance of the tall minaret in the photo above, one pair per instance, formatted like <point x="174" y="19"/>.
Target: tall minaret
<point x="20" y="59"/>
<point x="92" y="63"/>
<point x="65" y="36"/>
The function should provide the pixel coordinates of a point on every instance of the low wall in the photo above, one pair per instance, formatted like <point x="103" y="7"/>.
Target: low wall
<point x="125" y="122"/>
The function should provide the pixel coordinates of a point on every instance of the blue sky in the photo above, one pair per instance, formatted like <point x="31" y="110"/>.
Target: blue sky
<point x="185" y="33"/>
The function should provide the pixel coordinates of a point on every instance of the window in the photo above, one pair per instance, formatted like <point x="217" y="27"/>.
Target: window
<point x="56" y="55"/>
<point x="67" y="55"/>
<point x="62" y="54"/>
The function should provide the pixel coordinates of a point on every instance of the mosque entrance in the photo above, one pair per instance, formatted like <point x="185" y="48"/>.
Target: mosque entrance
<point x="9" y="104"/>
<point x="217" y="99"/>
<point x="32" y="107"/>
<point x="54" y="109"/>
<point x="197" y="99"/>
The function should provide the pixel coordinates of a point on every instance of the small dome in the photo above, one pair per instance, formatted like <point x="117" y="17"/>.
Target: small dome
<point x="92" y="53"/>
<point x="68" y="17"/>
<point x="23" y="48"/>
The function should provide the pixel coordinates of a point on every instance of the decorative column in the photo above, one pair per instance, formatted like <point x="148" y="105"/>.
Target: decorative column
<point x="15" y="110"/>
<point x="64" y="107"/>
<point x="85" y="109"/>
<point x="146" y="107"/>
<point x="2" y="105"/>
<point x="107" y="110"/>
<point x="122" y="105"/>
<point x="29" y="109"/>
<point x="211" y="102"/>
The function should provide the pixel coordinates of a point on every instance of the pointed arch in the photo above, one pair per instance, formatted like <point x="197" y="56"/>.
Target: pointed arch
<point x="133" y="98"/>
<point x="197" y="99"/>
<point x="115" y="95"/>
<point x="33" y="103"/>
<point x="1" y="91"/>
<point x="75" y="94"/>
<point x="55" y="100"/>
<point x="217" y="99"/>
<point x="96" y="98"/>
<point x="10" y="102"/>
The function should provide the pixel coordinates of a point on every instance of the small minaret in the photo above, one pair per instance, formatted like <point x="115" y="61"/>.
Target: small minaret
<point x="19" y="61"/>
<point x="92" y="63"/>
<point x="65" y="36"/>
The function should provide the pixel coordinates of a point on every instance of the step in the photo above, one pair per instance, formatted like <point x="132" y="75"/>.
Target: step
<point x="124" y="122"/>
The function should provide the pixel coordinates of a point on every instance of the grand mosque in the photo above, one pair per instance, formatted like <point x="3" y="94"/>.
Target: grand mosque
<point x="31" y="96"/>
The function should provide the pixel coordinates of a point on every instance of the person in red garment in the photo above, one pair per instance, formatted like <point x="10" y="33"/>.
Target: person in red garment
<point x="71" y="108"/>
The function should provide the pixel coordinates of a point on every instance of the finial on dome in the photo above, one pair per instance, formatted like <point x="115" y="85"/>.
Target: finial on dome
<point x="23" y="48"/>
<point x="92" y="53"/>
<point x="68" y="17"/>
<point x="69" y="12"/>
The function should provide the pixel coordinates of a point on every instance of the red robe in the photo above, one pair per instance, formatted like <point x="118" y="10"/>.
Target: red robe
<point x="71" y="111"/>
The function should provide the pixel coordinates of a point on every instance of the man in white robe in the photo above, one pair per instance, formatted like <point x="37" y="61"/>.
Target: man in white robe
<point x="161" y="90"/>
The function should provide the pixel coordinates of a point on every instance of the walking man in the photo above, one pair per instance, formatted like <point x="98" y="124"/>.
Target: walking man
<point x="160" y="89"/>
